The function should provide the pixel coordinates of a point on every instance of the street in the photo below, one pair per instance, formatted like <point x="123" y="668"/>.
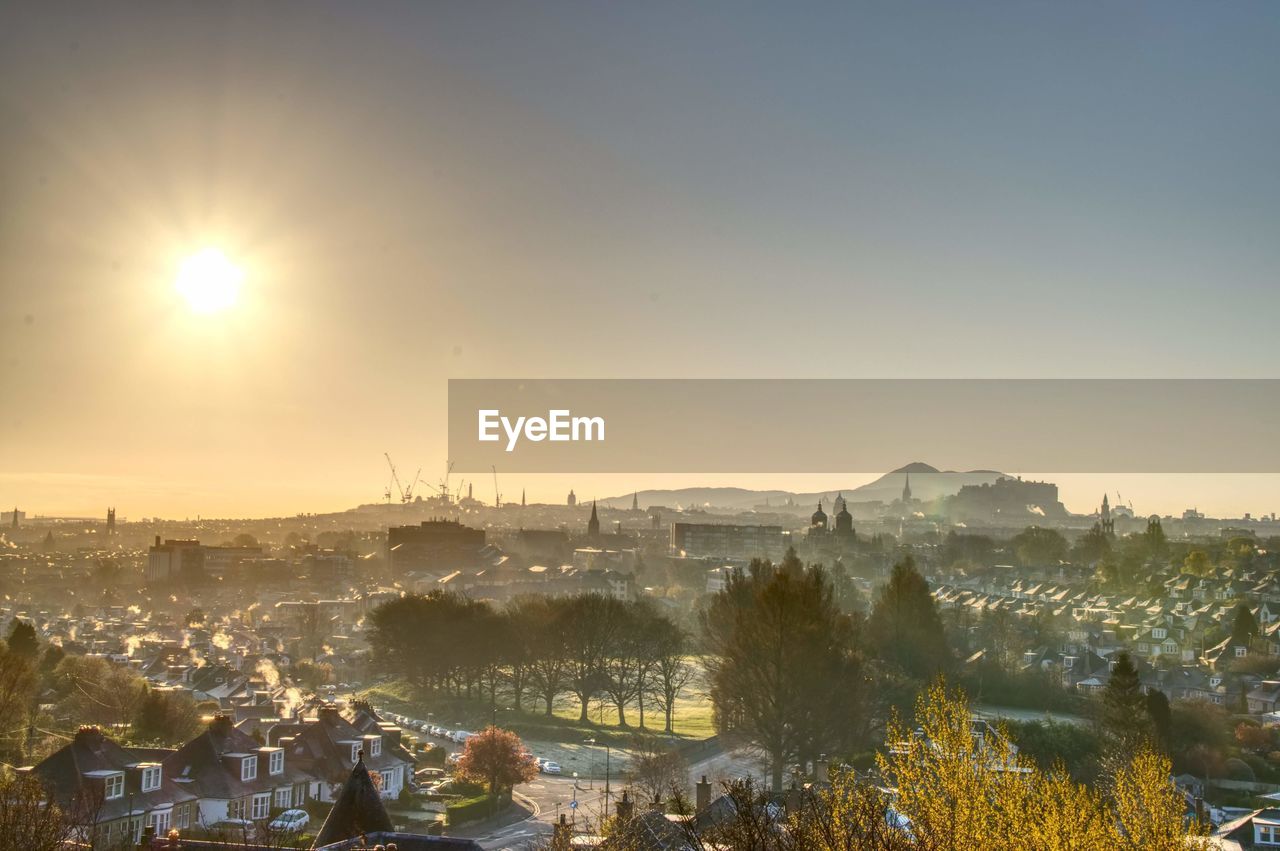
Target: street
<point x="548" y="797"/>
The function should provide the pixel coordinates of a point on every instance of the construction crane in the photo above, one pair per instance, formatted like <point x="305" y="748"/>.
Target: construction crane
<point x="442" y="487"/>
<point x="497" y="497"/>
<point x="406" y="493"/>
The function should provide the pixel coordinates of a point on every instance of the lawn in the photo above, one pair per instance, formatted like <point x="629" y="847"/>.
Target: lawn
<point x="560" y="736"/>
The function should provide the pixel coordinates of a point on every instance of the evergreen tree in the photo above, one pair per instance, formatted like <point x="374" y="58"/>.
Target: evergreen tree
<point x="1161" y="715"/>
<point x="782" y="665"/>
<point x="905" y="628"/>
<point x="23" y="640"/>
<point x="1244" y="626"/>
<point x="1124" y="708"/>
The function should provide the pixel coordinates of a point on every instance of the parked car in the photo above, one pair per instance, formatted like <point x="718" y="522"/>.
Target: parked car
<point x="549" y="767"/>
<point x="461" y="736"/>
<point x="453" y="759"/>
<point x="235" y="828"/>
<point x="290" y="821"/>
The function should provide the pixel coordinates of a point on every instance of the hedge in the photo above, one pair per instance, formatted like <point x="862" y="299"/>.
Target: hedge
<point x="474" y="809"/>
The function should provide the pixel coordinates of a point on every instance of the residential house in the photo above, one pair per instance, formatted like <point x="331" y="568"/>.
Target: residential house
<point x="118" y="791"/>
<point x="235" y="776"/>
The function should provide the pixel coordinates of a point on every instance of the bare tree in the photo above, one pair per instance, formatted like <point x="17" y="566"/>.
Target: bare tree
<point x="670" y="672"/>
<point x="29" y="817"/>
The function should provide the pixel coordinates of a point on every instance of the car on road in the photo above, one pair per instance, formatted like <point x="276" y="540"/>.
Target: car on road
<point x="290" y="821"/>
<point x="549" y="767"/>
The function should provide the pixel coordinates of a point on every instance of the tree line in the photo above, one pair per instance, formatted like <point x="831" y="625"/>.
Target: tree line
<point x="537" y="650"/>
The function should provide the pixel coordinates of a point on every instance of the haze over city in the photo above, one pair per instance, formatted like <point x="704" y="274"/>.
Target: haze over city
<point x="639" y="426"/>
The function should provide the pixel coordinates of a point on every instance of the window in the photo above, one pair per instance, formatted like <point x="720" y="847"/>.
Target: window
<point x="375" y="747"/>
<point x="277" y="762"/>
<point x="261" y="806"/>
<point x="114" y="787"/>
<point x="183" y="817"/>
<point x="151" y="778"/>
<point x="355" y="752"/>
<point x="160" y="821"/>
<point x="235" y="809"/>
<point x="1264" y="833"/>
<point x="249" y="768"/>
<point x="284" y="798"/>
<point x="1240" y="651"/>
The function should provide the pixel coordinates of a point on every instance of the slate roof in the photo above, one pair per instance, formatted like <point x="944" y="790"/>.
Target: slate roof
<point x="90" y="751"/>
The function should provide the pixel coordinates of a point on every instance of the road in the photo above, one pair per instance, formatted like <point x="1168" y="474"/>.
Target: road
<point x="548" y="797"/>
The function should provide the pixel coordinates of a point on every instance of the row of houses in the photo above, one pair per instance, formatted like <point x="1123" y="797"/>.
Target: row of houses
<point x="224" y="774"/>
<point x="1180" y="638"/>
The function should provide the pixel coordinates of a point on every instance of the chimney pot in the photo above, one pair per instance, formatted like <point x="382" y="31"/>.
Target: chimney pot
<point x="702" y="794"/>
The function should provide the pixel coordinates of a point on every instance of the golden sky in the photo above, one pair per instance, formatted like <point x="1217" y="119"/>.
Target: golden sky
<point x="423" y="191"/>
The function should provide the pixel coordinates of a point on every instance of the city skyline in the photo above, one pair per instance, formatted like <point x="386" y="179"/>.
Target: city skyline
<point x="1216" y="495"/>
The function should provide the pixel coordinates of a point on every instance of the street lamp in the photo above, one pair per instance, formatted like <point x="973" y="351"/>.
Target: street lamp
<point x="606" y="772"/>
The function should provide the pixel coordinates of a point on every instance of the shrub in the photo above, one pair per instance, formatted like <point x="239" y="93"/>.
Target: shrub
<point x="474" y="809"/>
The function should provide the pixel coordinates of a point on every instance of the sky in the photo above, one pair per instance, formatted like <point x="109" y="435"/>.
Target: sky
<point x="419" y="191"/>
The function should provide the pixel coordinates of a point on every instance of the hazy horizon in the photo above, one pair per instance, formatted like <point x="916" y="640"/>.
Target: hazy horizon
<point x="1215" y="495"/>
<point x="422" y="191"/>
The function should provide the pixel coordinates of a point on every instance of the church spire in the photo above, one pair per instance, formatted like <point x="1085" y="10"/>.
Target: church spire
<point x="906" y="489"/>
<point x="635" y="501"/>
<point x="593" y="525"/>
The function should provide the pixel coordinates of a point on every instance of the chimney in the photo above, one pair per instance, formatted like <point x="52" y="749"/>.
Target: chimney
<point x="793" y="798"/>
<point x="157" y="540"/>
<point x="702" y="794"/>
<point x="625" y="807"/>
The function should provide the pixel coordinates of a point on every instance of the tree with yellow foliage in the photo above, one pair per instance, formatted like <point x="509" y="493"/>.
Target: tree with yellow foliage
<point x="962" y="787"/>
<point x="947" y="785"/>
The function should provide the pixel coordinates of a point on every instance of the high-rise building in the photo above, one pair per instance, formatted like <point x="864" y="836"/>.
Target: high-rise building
<point x="434" y="544"/>
<point x="725" y="540"/>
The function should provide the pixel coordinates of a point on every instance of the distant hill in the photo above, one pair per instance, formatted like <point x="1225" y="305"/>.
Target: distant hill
<point x="926" y="483"/>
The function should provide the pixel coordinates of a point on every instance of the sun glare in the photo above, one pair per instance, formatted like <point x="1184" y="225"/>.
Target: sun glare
<point x="209" y="281"/>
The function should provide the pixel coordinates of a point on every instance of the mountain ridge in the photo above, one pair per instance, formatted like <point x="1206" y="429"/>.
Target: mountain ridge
<point x="927" y="483"/>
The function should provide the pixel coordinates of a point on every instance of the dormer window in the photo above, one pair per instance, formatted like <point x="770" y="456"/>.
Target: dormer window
<point x="113" y="787"/>
<point x="355" y="752"/>
<point x="276" y="762"/>
<point x="151" y="778"/>
<point x="375" y="747"/>
<point x="249" y="768"/>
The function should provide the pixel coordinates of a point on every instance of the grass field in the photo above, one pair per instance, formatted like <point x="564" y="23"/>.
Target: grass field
<point x="560" y="736"/>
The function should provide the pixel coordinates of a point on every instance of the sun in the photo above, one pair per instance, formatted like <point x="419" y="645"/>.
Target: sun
<point x="209" y="281"/>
